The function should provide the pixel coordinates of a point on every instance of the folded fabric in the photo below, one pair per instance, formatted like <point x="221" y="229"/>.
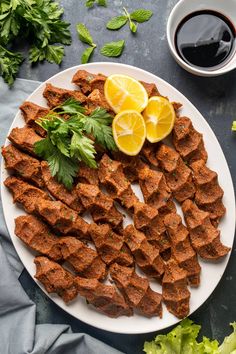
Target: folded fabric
<point x="19" y="333"/>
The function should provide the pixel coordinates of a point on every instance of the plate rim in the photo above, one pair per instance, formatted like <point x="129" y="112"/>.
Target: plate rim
<point x="57" y="300"/>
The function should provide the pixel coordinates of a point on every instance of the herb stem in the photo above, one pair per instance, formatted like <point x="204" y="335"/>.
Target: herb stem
<point x="132" y="25"/>
<point x="127" y="14"/>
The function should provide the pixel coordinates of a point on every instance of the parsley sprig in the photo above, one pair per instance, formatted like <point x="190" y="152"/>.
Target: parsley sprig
<point x="68" y="141"/>
<point x="36" y="21"/>
<point x="9" y="64"/>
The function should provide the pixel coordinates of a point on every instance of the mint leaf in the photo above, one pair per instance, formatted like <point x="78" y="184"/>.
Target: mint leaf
<point x="87" y="54"/>
<point x="117" y="22"/>
<point x="141" y="15"/>
<point x="84" y="34"/>
<point x="133" y="27"/>
<point x="113" y="49"/>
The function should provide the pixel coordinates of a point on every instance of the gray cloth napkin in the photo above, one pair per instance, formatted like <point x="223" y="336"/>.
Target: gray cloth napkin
<point x="18" y="332"/>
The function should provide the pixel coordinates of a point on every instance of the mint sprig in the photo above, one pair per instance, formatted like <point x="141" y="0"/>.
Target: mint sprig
<point x="132" y="25"/>
<point x="84" y="34"/>
<point x="112" y="49"/>
<point x="139" y="16"/>
<point x="85" y="37"/>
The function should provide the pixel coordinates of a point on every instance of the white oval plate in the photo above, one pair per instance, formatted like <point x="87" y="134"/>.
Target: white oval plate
<point x="211" y="272"/>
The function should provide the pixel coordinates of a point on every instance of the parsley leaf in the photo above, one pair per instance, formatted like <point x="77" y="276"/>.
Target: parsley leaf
<point x="71" y="106"/>
<point x="64" y="168"/>
<point x="87" y="54"/>
<point x="9" y="64"/>
<point x="44" y="148"/>
<point x="113" y="49"/>
<point x="84" y="34"/>
<point x="98" y="124"/>
<point x="102" y="116"/>
<point x="52" y="53"/>
<point x="117" y="22"/>
<point x="141" y="15"/>
<point x="83" y="149"/>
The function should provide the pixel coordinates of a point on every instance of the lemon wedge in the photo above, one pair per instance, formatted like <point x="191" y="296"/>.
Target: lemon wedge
<point x="159" y="117"/>
<point x="129" y="131"/>
<point x="123" y="92"/>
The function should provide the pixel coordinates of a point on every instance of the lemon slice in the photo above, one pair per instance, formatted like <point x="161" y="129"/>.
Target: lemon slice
<point x="129" y="132"/>
<point x="123" y="92"/>
<point x="159" y="117"/>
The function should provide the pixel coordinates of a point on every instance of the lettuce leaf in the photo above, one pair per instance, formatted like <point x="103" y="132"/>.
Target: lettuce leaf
<point x="229" y="343"/>
<point x="182" y="340"/>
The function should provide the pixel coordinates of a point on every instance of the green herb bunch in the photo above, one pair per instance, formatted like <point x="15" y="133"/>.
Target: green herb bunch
<point x="69" y="142"/>
<point x="37" y="21"/>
